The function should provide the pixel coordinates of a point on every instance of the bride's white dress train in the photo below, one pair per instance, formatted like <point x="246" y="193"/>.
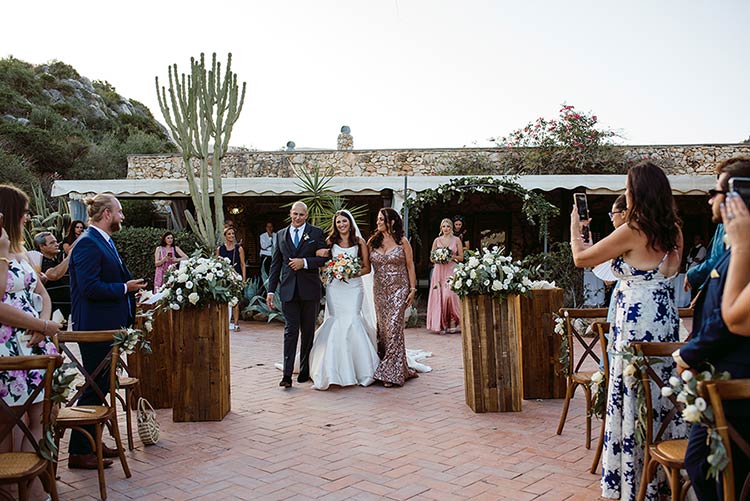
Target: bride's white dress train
<point x="343" y="352"/>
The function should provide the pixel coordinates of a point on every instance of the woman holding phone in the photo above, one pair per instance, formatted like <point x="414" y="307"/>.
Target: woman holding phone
<point x="165" y="255"/>
<point x="646" y="253"/>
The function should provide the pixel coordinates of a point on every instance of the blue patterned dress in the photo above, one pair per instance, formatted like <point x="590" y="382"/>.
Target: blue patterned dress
<point x="645" y="311"/>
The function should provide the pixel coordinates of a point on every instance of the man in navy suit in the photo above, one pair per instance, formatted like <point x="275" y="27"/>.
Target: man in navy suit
<point x="713" y="343"/>
<point x="102" y="298"/>
<point x="294" y="276"/>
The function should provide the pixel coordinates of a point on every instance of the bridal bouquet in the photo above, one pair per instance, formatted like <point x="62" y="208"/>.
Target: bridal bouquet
<point x="489" y="272"/>
<point x="198" y="281"/>
<point x="341" y="267"/>
<point x="441" y="255"/>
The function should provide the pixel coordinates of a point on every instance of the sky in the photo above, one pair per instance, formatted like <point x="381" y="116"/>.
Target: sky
<point x="419" y="73"/>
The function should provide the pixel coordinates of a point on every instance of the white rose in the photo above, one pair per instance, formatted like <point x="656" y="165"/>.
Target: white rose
<point x="167" y="293"/>
<point x="149" y="326"/>
<point x="189" y="284"/>
<point x="674" y="381"/>
<point x="682" y="398"/>
<point x="706" y="376"/>
<point x="629" y="370"/>
<point x="170" y="280"/>
<point x="468" y="283"/>
<point x="687" y="376"/>
<point x="174" y="306"/>
<point x="179" y="292"/>
<point x="691" y="414"/>
<point x="219" y="273"/>
<point x="496" y="285"/>
<point x="473" y="274"/>
<point x="209" y="276"/>
<point x="597" y="377"/>
<point x="193" y="298"/>
<point x="700" y="404"/>
<point x="666" y="391"/>
<point x="201" y="268"/>
<point x="182" y="278"/>
<point x="486" y="283"/>
<point x="457" y="283"/>
<point x="473" y="262"/>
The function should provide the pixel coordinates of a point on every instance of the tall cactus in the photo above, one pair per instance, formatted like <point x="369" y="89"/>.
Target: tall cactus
<point x="204" y="107"/>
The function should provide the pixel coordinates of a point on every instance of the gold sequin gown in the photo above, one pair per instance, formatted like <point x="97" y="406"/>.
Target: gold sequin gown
<point x="391" y="290"/>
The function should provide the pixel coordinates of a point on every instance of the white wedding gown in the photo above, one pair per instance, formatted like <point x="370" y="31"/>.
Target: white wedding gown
<point x="343" y="352"/>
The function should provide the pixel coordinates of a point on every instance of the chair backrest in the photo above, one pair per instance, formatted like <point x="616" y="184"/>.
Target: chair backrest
<point x="576" y="338"/>
<point x="104" y="368"/>
<point x="687" y="313"/>
<point x="718" y="392"/>
<point x="649" y="375"/>
<point x="14" y="416"/>
<point x="602" y="330"/>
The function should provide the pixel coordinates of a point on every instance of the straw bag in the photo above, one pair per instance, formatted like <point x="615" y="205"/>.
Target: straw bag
<point x="148" y="426"/>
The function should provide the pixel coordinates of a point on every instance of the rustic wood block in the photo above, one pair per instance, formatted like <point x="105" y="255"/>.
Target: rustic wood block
<point x="201" y="386"/>
<point x="491" y="333"/>
<point x="155" y="370"/>
<point x="542" y="377"/>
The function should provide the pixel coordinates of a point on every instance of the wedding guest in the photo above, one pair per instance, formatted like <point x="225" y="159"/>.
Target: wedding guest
<point x="646" y="253"/>
<point x="165" y="255"/>
<point x="233" y="251"/>
<point x="696" y="254"/>
<point x="443" y="308"/>
<point x="716" y="343"/>
<point x="54" y="266"/>
<point x="75" y="230"/>
<point x="102" y="298"/>
<point x="618" y="217"/>
<point x="395" y="284"/>
<point x="267" y="244"/>
<point x="460" y="231"/>
<point x="24" y="325"/>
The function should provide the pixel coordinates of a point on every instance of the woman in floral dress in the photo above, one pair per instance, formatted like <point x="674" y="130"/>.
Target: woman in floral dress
<point x="24" y="319"/>
<point x="646" y="253"/>
<point x="395" y="284"/>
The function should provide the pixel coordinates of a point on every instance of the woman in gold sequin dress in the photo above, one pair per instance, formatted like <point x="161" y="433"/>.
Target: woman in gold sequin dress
<point x="395" y="283"/>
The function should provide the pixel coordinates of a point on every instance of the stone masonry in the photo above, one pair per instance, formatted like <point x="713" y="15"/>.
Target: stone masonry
<point x="677" y="159"/>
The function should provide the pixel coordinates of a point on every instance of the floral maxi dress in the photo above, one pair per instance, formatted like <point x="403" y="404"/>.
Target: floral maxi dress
<point x="644" y="311"/>
<point x="16" y="386"/>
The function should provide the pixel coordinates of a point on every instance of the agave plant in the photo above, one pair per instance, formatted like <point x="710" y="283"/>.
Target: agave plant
<point x="44" y="218"/>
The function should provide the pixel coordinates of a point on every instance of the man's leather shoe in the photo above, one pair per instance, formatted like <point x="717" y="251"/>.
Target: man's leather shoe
<point x="108" y="452"/>
<point x="303" y="378"/>
<point x="286" y="382"/>
<point x="86" y="462"/>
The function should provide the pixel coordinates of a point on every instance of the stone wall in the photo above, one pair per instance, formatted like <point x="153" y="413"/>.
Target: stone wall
<point x="677" y="159"/>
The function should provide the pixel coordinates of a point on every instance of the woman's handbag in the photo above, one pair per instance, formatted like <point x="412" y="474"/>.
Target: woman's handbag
<point x="148" y="426"/>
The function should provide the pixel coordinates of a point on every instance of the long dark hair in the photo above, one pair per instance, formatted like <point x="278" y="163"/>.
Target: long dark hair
<point x="653" y="210"/>
<point x="334" y="237"/>
<point x="621" y="203"/>
<point x="13" y="203"/>
<point x="394" y="225"/>
<point x="70" y="236"/>
<point x="163" y="241"/>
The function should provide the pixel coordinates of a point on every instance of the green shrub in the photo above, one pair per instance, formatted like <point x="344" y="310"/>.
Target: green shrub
<point x="139" y="213"/>
<point x="557" y="265"/>
<point x="137" y="245"/>
<point x="14" y="169"/>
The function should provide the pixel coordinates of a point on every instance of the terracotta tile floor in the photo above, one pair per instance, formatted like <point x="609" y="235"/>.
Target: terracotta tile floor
<point x="416" y="442"/>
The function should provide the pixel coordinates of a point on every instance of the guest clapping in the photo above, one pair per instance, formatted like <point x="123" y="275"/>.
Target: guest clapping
<point x="75" y="230"/>
<point x="735" y="304"/>
<point x="233" y="251"/>
<point x="165" y="255"/>
<point x="443" y="310"/>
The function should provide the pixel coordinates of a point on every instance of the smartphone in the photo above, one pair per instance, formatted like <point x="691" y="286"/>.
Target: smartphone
<point x="582" y="205"/>
<point x="741" y="185"/>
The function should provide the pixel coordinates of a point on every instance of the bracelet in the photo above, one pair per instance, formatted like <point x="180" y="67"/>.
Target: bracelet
<point x="413" y="289"/>
<point x="7" y="261"/>
<point x="44" y="331"/>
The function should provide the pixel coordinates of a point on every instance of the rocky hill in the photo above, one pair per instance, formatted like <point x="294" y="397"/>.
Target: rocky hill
<point x="55" y="123"/>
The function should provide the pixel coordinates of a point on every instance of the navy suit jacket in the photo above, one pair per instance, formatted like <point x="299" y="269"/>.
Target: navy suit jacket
<point x="97" y="290"/>
<point x="712" y="342"/>
<point x="306" y="282"/>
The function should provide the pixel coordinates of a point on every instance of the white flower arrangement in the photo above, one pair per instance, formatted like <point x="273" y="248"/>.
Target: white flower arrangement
<point x="489" y="272"/>
<point x="441" y="255"/>
<point x="198" y="281"/>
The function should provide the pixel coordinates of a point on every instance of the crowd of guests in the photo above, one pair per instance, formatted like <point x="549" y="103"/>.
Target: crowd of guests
<point x="645" y="251"/>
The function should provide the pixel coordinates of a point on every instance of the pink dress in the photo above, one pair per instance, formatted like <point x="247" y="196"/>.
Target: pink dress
<point x="159" y="272"/>
<point x="442" y="306"/>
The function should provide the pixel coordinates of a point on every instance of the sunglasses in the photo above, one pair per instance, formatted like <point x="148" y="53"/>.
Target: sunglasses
<point x="712" y="192"/>
<point x="612" y="214"/>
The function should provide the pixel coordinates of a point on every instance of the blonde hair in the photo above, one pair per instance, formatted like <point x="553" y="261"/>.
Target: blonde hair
<point x="99" y="204"/>
<point x="445" y="220"/>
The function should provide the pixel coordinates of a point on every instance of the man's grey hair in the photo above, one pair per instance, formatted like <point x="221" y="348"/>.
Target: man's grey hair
<point x="41" y="239"/>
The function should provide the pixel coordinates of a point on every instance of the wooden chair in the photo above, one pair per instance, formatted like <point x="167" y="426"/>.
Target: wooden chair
<point x="718" y="392"/>
<point x="602" y="330"/>
<point x="21" y="468"/>
<point x="75" y="418"/>
<point x="131" y="386"/>
<point x="577" y="375"/>
<point x="669" y="453"/>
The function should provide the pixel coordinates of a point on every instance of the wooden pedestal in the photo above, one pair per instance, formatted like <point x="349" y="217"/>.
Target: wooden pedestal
<point x="155" y="370"/>
<point x="541" y="346"/>
<point x="201" y="364"/>
<point x="491" y="332"/>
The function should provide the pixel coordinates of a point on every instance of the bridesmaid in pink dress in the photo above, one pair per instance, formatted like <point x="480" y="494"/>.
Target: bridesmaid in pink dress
<point x="443" y="311"/>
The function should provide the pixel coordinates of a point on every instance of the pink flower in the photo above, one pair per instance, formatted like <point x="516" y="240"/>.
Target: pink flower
<point x="5" y="333"/>
<point x="18" y="387"/>
<point x="35" y="377"/>
<point x="3" y="389"/>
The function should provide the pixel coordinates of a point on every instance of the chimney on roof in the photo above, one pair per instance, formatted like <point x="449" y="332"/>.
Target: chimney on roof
<point x="345" y="140"/>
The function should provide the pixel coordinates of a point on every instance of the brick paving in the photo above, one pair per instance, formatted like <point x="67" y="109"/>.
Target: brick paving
<point x="416" y="442"/>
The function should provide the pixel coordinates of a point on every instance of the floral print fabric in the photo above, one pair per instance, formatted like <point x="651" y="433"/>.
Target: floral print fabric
<point x="16" y="386"/>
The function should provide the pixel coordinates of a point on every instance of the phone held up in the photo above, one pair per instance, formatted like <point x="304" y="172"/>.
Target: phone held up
<point x="582" y="205"/>
<point x="741" y="186"/>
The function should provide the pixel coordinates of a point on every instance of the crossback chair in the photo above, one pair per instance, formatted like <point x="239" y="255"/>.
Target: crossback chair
<point x="669" y="453"/>
<point x="578" y="375"/>
<point x="719" y="392"/>
<point x="602" y="331"/>
<point x="131" y="386"/>
<point x="77" y="417"/>
<point x="18" y="467"/>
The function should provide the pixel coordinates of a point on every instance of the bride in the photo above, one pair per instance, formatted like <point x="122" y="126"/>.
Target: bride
<point x="343" y="352"/>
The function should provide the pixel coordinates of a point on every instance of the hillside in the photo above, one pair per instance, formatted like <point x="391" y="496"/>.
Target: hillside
<point x="57" y="124"/>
